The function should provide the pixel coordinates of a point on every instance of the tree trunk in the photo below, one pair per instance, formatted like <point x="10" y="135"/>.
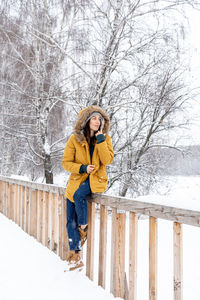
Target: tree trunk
<point x="48" y="169"/>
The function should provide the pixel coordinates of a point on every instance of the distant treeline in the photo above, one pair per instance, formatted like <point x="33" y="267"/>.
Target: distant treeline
<point x="185" y="162"/>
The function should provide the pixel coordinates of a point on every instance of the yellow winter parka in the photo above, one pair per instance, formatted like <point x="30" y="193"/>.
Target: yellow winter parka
<point x="77" y="153"/>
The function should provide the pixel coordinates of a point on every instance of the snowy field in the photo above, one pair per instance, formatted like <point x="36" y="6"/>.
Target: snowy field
<point x="29" y="270"/>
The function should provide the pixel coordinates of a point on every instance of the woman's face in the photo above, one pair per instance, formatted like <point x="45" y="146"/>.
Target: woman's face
<point x="95" y="123"/>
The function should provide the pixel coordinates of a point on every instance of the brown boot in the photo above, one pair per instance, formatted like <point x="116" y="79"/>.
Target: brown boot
<point x="74" y="260"/>
<point x="83" y="234"/>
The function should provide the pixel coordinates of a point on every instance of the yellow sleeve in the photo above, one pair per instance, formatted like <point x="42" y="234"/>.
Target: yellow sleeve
<point x="105" y="151"/>
<point x="69" y="156"/>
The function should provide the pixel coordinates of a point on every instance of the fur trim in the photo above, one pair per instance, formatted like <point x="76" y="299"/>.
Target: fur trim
<point x="82" y="117"/>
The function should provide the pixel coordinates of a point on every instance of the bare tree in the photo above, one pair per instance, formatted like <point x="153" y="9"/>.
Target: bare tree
<point x="38" y="79"/>
<point x="125" y="56"/>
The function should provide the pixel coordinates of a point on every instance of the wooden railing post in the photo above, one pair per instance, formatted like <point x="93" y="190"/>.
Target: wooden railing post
<point x="46" y="219"/>
<point x="4" y="197"/>
<point x="60" y="234"/>
<point x="118" y="254"/>
<point x="11" y="201"/>
<point x="1" y="202"/>
<point x="20" y="205"/>
<point x="39" y="215"/>
<point x="133" y="246"/>
<point x="102" y="246"/>
<point x="152" y="258"/>
<point x="28" y="210"/>
<point x="23" y="206"/>
<point x="178" y="262"/>
<point x="33" y="211"/>
<point x="15" y="203"/>
<point x="55" y="228"/>
<point x="90" y="241"/>
<point x="51" y="221"/>
<point x="65" y="246"/>
<point x="7" y="194"/>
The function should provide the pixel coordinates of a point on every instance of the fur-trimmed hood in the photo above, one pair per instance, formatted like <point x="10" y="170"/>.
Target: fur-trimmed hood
<point x="82" y="117"/>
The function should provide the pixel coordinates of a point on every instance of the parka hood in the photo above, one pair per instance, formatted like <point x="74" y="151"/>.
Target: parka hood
<point x="83" y="116"/>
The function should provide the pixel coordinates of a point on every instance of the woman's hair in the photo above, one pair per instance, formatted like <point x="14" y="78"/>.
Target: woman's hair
<point x="86" y="131"/>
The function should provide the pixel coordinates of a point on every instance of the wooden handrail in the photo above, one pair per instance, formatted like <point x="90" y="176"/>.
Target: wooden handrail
<point x="40" y="210"/>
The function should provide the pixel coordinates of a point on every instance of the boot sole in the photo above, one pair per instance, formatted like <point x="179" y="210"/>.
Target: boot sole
<point x="78" y="267"/>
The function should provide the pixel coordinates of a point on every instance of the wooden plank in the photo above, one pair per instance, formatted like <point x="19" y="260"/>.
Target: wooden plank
<point x="4" y="197"/>
<point x="39" y="215"/>
<point x="118" y="258"/>
<point x="55" y="224"/>
<point x="113" y="252"/>
<point x="90" y="241"/>
<point x="1" y="196"/>
<point x="52" y="235"/>
<point x="28" y="210"/>
<point x="1" y="191"/>
<point x="190" y="217"/>
<point x="178" y="262"/>
<point x="46" y="219"/>
<point x="1" y="202"/>
<point x="102" y="246"/>
<point x="6" y="200"/>
<point x="17" y="204"/>
<point x="33" y="216"/>
<point x="14" y="202"/>
<point x="41" y="204"/>
<point x="12" y="188"/>
<point x="153" y="241"/>
<point x="23" y="206"/>
<point x="20" y="205"/>
<point x="133" y="248"/>
<point x="60" y="235"/>
<point x="65" y="245"/>
<point x="7" y="194"/>
<point x="50" y="242"/>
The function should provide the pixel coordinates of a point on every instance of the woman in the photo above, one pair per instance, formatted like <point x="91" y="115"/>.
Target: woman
<point x="86" y="155"/>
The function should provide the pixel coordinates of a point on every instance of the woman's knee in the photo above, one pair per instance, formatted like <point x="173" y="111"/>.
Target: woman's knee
<point x="71" y="223"/>
<point x="76" y="196"/>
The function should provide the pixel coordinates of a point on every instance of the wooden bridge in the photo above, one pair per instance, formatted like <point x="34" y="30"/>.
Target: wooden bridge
<point x="40" y="210"/>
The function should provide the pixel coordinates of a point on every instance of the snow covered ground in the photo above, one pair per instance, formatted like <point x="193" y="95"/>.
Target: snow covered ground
<point x="29" y="270"/>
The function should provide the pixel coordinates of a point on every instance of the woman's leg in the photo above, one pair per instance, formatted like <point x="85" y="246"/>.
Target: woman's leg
<point x="72" y="227"/>
<point x="81" y="205"/>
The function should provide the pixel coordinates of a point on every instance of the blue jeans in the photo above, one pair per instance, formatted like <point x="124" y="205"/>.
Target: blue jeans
<point x="77" y="214"/>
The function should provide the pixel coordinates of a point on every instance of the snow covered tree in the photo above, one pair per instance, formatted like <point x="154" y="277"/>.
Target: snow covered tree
<point x="37" y="80"/>
<point x="125" y="56"/>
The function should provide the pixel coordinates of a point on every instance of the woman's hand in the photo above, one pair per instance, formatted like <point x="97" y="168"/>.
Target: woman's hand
<point x="90" y="169"/>
<point x="99" y="132"/>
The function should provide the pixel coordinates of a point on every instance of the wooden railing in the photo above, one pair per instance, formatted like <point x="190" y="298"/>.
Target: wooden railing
<point x="40" y="210"/>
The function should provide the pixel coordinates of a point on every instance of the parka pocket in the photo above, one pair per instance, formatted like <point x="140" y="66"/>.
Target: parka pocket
<point x="75" y="176"/>
<point x="102" y="178"/>
<point x="102" y="175"/>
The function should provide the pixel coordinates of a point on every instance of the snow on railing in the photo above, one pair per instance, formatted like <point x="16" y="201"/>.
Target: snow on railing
<point x="40" y="210"/>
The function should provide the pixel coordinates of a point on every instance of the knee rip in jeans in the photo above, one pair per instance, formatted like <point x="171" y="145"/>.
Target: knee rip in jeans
<point x="73" y="223"/>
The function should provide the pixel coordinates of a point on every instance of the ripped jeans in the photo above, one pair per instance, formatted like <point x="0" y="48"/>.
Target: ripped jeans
<point x="77" y="214"/>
